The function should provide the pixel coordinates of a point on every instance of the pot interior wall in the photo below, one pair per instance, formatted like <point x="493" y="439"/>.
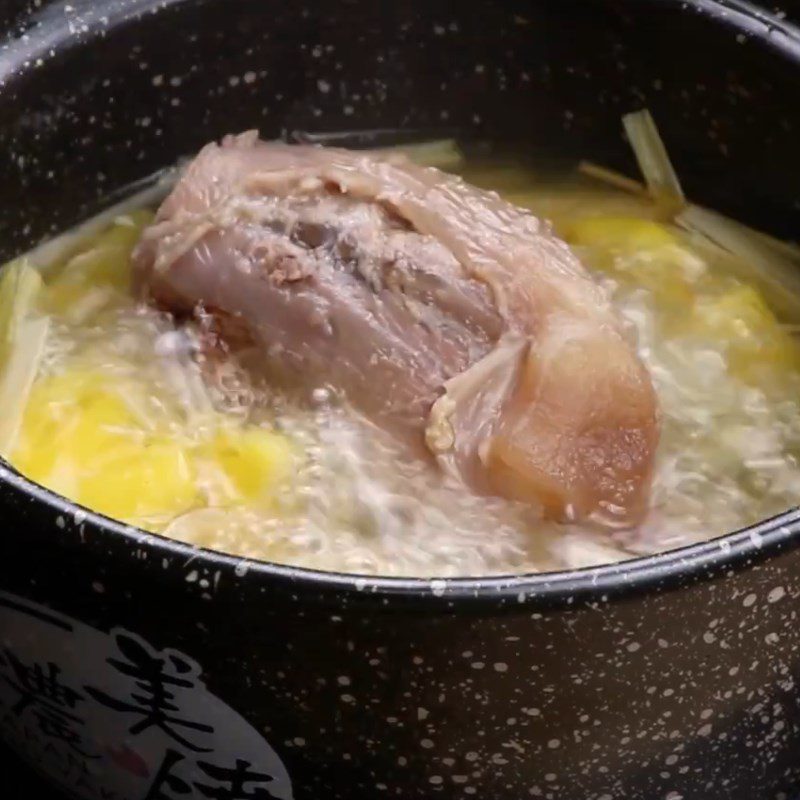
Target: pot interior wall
<point x="97" y="95"/>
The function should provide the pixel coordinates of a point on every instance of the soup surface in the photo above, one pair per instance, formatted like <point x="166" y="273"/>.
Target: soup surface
<point x="130" y="412"/>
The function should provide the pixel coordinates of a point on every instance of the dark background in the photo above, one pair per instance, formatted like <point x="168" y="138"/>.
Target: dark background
<point x="18" y="782"/>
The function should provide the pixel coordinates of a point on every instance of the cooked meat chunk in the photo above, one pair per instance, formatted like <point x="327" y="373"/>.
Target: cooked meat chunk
<point x="450" y="318"/>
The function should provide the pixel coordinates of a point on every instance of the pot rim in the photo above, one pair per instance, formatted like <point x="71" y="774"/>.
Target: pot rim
<point x="722" y="555"/>
<point x="706" y="560"/>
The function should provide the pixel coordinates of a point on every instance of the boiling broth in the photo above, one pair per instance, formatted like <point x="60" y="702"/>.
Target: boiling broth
<point x="129" y="414"/>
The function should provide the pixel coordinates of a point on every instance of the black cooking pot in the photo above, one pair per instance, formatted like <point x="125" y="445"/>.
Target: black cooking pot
<point x="133" y="667"/>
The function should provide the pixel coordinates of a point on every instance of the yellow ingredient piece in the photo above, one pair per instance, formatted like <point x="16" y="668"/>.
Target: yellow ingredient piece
<point x="95" y="274"/>
<point x="253" y="461"/>
<point x="152" y="480"/>
<point x="563" y="205"/>
<point x="621" y="234"/>
<point x="755" y="341"/>
<point x="640" y="252"/>
<point x="80" y="439"/>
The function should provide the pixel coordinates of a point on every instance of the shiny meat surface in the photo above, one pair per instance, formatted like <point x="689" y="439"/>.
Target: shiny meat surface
<point x="452" y="319"/>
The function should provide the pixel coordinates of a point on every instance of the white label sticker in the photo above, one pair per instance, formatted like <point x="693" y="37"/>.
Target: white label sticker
<point x="109" y="717"/>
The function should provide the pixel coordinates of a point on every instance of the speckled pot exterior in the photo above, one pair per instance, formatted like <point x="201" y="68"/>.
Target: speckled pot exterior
<point x="132" y="668"/>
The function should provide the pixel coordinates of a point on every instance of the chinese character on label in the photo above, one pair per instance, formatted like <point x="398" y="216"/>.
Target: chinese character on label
<point x="42" y="695"/>
<point x="109" y="717"/>
<point x="167" y="786"/>
<point x="233" y="783"/>
<point x="151" y="699"/>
